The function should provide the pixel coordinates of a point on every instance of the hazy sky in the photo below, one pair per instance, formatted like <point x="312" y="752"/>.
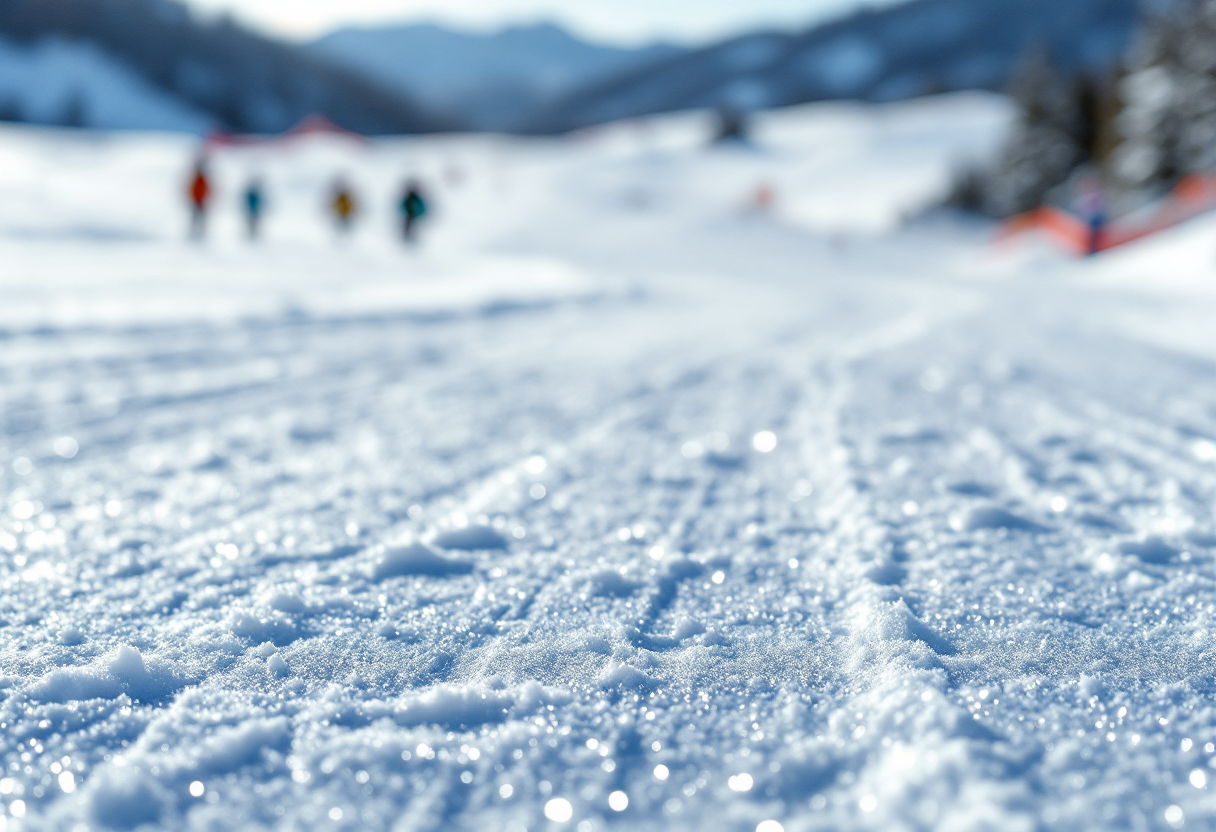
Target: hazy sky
<point x="613" y="20"/>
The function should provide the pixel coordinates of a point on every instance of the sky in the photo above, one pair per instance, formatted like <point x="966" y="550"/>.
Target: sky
<point x="620" y="21"/>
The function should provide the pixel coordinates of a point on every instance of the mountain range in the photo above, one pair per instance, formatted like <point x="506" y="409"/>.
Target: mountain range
<point x="491" y="81"/>
<point x="151" y="64"/>
<point x="886" y="54"/>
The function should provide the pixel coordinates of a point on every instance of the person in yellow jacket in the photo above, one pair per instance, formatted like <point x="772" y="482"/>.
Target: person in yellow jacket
<point x="343" y="205"/>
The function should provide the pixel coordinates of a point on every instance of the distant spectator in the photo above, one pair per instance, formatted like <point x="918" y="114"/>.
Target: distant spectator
<point x="200" y="197"/>
<point x="732" y="126"/>
<point x="764" y="197"/>
<point x="1092" y="206"/>
<point x="255" y="204"/>
<point x="413" y="208"/>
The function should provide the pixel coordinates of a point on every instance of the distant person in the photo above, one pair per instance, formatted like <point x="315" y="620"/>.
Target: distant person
<point x="764" y="197"/>
<point x="200" y="197"/>
<point x="413" y="208"/>
<point x="1092" y="205"/>
<point x="254" y="204"/>
<point x="343" y="205"/>
<point x="732" y="126"/>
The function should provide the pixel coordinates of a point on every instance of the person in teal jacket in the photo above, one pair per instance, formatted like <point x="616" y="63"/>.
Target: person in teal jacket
<point x="413" y="208"/>
<point x="255" y="205"/>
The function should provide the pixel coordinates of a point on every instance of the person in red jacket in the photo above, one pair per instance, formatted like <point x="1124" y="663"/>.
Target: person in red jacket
<point x="200" y="197"/>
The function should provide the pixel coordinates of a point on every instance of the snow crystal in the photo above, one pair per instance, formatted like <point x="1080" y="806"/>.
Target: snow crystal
<point x="559" y="810"/>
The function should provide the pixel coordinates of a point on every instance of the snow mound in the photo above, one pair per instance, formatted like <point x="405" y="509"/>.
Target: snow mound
<point x="626" y="677"/>
<point x="123" y="799"/>
<point x="416" y="559"/>
<point x="612" y="583"/>
<point x="1151" y="549"/>
<point x="471" y="539"/>
<point x="447" y="707"/>
<point x="124" y="672"/>
<point x="259" y="627"/>
<point x="990" y="517"/>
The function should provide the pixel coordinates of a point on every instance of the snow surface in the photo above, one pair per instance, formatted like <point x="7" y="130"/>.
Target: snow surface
<point x="621" y="502"/>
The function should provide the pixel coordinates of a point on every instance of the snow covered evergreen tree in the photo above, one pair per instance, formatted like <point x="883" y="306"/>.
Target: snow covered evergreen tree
<point x="1196" y="103"/>
<point x="1150" y="154"/>
<point x="1164" y="119"/>
<point x="1050" y="140"/>
<point x="1168" y="123"/>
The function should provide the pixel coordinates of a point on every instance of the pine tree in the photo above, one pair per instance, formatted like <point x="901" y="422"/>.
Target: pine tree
<point x="1151" y="154"/>
<point x="1052" y="137"/>
<point x="1168" y="122"/>
<point x="1196" y="100"/>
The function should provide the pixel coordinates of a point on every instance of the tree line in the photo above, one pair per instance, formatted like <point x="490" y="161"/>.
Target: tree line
<point x="1141" y="127"/>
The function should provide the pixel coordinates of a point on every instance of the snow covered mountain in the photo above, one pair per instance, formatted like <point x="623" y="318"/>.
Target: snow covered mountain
<point x="151" y="64"/>
<point x="920" y="47"/>
<point x="74" y="84"/>
<point x="488" y="81"/>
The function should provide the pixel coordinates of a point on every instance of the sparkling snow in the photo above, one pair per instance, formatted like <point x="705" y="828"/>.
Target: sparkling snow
<point x="623" y="502"/>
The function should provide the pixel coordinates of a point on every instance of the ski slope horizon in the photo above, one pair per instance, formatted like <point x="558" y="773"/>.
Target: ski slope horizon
<point x="629" y="499"/>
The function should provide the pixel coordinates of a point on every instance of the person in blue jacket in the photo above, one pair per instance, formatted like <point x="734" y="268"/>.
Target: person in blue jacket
<point x="1092" y="205"/>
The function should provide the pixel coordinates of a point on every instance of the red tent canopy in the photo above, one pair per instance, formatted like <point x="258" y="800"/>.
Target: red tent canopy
<point x="313" y="125"/>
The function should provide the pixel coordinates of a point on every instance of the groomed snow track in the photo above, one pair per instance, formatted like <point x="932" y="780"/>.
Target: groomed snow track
<point x="733" y="523"/>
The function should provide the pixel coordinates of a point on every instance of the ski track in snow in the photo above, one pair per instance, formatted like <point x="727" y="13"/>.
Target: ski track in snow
<point x="491" y="564"/>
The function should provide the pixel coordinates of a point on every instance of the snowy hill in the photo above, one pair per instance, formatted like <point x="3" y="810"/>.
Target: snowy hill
<point x="923" y="46"/>
<point x="180" y="72"/>
<point x="488" y="81"/>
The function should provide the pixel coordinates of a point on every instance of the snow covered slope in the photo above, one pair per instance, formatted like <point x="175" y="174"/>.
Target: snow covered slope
<point x="488" y="81"/>
<point x="672" y="512"/>
<point x="57" y="81"/>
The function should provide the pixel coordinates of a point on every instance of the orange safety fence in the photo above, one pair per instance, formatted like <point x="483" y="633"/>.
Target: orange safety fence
<point x="1193" y="196"/>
